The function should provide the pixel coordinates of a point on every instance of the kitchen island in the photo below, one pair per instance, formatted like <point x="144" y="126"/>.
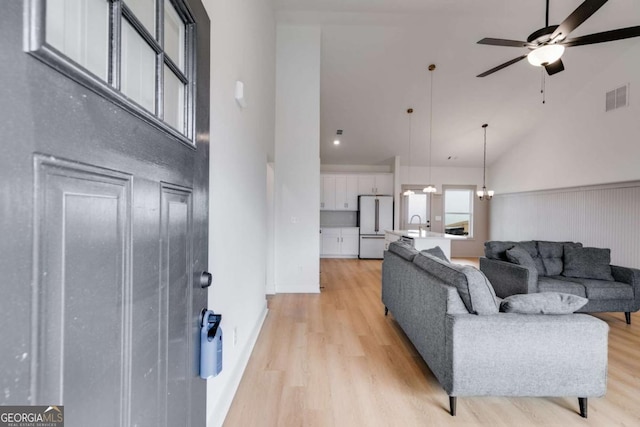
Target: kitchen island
<point x="421" y="239"/>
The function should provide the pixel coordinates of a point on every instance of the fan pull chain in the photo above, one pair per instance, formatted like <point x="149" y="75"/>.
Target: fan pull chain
<point x="543" y="88"/>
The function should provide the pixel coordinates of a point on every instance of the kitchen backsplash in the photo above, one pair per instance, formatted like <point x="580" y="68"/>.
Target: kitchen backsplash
<point x="338" y="218"/>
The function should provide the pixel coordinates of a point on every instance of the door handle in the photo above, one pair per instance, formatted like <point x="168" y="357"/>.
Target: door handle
<point x="205" y="279"/>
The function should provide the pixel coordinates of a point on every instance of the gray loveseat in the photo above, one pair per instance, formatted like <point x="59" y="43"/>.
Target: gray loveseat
<point x="562" y="267"/>
<point x="451" y="315"/>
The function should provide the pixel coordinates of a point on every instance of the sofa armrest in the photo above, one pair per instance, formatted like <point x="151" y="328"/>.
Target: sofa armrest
<point x="630" y="276"/>
<point x="526" y="355"/>
<point x="508" y="278"/>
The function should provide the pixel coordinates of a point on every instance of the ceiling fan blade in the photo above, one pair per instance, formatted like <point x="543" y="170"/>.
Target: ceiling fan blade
<point x="501" y="66"/>
<point x="577" y="17"/>
<point x="555" y="67"/>
<point x="504" y="42"/>
<point x="605" y="36"/>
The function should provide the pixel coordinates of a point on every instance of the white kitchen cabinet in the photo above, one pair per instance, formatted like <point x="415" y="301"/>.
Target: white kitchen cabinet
<point x="340" y="242"/>
<point x="330" y="241"/>
<point x="346" y="193"/>
<point x="338" y="192"/>
<point x="328" y="192"/>
<point x="375" y="184"/>
<point x="350" y="240"/>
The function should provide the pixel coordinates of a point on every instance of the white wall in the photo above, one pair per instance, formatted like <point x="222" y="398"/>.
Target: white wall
<point x="242" y="48"/>
<point x="297" y="165"/>
<point x="271" y="206"/>
<point x="578" y="143"/>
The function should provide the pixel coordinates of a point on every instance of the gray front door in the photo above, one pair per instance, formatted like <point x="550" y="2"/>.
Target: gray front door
<point x="103" y="227"/>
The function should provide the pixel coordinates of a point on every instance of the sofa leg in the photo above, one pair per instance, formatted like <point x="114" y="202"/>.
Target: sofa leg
<point x="627" y="317"/>
<point x="386" y="311"/>
<point x="452" y="405"/>
<point x="583" y="406"/>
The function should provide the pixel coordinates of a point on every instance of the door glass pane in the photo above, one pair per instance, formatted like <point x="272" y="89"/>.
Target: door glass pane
<point x="138" y="78"/>
<point x="80" y="30"/>
<point x="174" y="33"/>
<point x="173" y="100"/>
<point x="417" y="209"/>
<point x="145" y="11"/>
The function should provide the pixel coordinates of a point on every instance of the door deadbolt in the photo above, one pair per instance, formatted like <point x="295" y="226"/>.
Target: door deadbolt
<point x="205" y="279"/>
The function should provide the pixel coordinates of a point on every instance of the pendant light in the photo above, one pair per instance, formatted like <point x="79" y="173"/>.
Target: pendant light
<point x="430" y="188"/>
<point x="409" y="192"/>
<point x="485" y="194"/>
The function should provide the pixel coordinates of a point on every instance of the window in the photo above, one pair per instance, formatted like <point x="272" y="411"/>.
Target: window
<point x="414" y="211"/>
<point x="458" y="211"/>
<point x="137" y="53"/>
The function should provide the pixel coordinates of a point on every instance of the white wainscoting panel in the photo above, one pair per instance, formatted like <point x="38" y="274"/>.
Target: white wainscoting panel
<point x="604" y="216"/>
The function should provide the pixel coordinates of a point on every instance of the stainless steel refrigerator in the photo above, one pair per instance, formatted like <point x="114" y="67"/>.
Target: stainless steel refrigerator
<point x="375" y="215"/>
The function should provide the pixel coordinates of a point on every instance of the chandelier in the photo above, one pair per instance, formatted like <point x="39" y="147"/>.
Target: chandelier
<point x="485" y="194"/>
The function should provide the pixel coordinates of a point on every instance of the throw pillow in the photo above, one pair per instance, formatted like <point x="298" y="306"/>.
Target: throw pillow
<point x="587" y="263"/>
<point x="472" y="285"/>
<point x="518" y="255"/>
<point x="403" y="250"/>
<point x="542" y="303"/>
<point x="437" y="252"/>
<point x="477" y="293"/>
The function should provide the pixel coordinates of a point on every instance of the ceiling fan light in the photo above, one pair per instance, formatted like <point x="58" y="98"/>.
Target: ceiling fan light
<point x="545" y="55"/>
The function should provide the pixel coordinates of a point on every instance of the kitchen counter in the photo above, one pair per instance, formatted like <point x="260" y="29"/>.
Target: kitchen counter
<point x="421" y="239"/>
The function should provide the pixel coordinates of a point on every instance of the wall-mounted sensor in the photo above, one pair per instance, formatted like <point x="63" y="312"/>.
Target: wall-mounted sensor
<point x="239" y="94"/>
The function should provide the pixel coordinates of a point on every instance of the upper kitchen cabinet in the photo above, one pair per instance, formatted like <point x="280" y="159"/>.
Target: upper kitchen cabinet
<point x="346" y="192"/>
<point x="381" y="183"/>
<point x="338" y="192"/>
<point x="328" y="192"/>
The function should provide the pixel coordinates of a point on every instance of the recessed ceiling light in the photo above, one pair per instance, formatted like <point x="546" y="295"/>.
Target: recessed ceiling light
<point x="336" y="142"/>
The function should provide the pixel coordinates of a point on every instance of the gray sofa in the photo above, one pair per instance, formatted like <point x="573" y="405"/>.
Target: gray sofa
<point x="563" y="267"/>
<point x="451" y="315"/>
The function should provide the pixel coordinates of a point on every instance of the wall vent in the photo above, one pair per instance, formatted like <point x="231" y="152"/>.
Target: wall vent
<point x="617" y="98"/>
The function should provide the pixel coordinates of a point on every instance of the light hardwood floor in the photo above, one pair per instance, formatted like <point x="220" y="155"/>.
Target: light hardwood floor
<point x="334" y="359"/>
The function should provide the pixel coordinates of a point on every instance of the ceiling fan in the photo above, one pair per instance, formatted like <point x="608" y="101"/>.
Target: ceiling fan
<point x="547" y="44"/>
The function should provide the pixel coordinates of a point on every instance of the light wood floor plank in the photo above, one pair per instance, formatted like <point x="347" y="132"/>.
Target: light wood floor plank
<point x="334" y="359"/>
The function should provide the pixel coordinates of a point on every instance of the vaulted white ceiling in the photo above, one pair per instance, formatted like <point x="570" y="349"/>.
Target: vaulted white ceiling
<point x="375" y="55"/>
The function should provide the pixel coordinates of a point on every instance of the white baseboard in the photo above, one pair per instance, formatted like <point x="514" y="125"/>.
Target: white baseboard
<point x="222" y="408"/>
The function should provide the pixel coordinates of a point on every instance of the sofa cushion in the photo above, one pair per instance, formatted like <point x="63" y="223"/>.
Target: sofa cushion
<point x="561" y="284"/>
<point x="543" y="303"/>
<point x="496" y="249"/>
<point x="473" y="287"/>
<point x="552" y="255"/>
<point x="403" y="249"/>
<point x="437" y="252"/>
<point x="605" y="289"/>
<point x="587" y="263"/>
